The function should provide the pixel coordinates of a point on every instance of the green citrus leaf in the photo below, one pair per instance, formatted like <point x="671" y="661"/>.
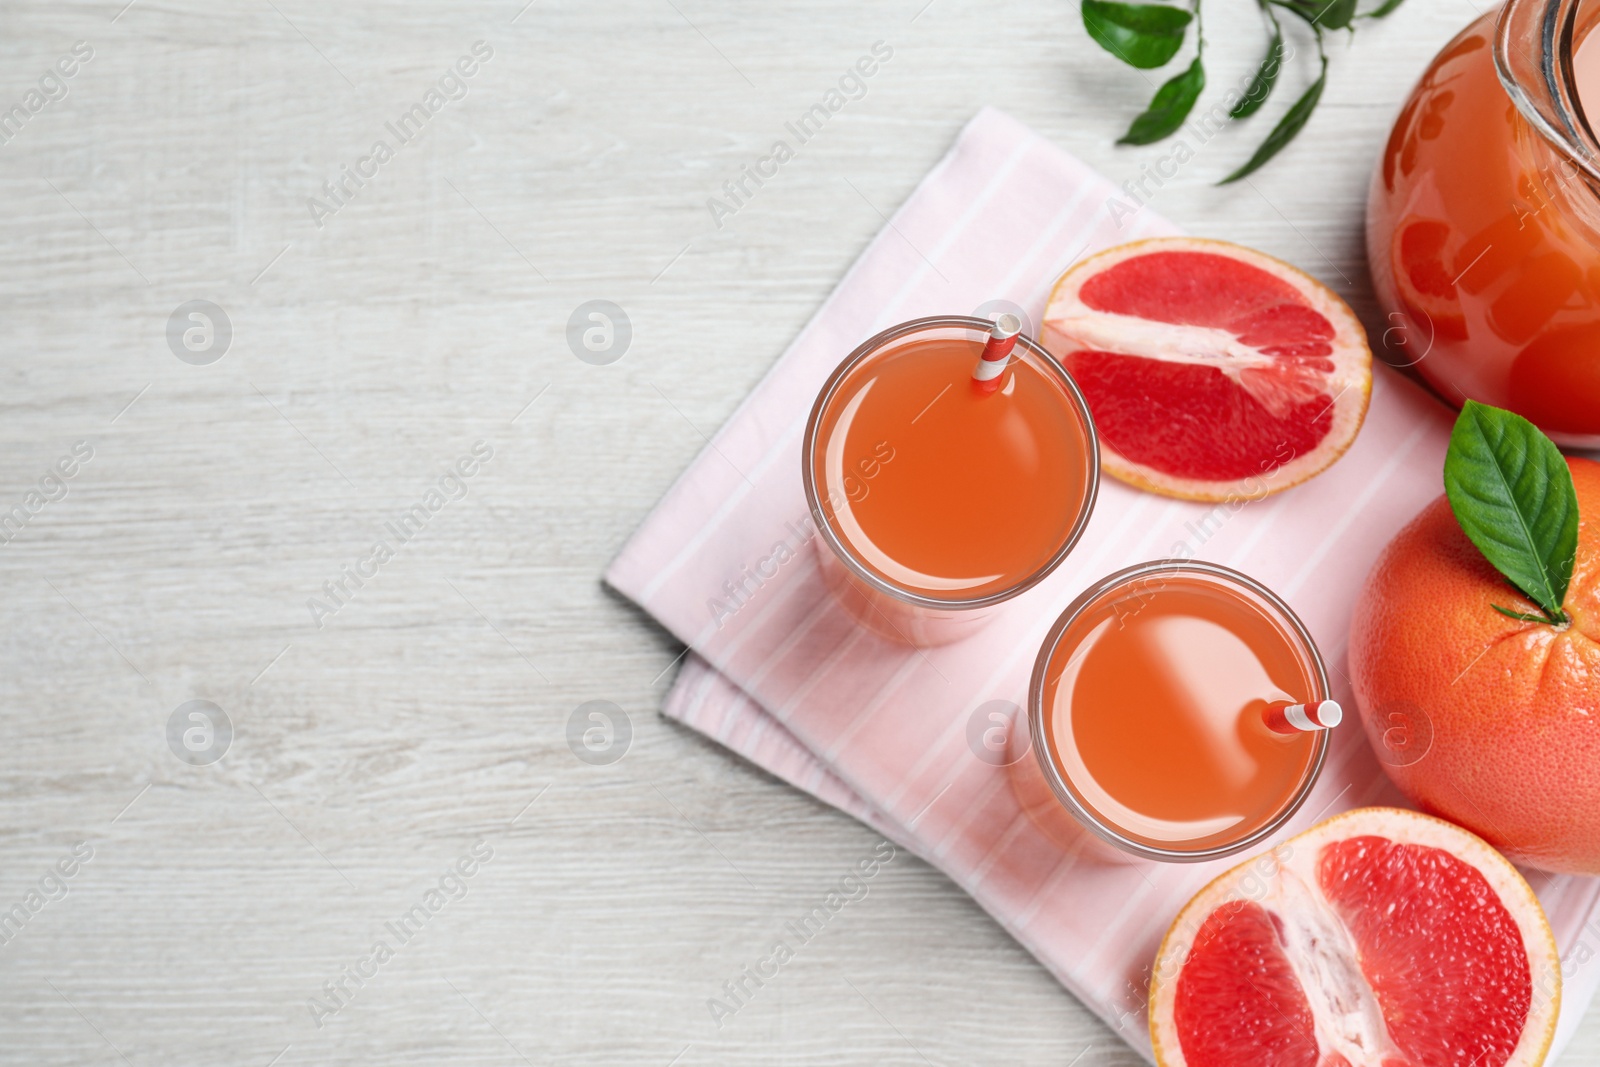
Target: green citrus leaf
<point x="1336" y="14"/>
<point x="1286" y="129"/>
<point x="1383" y="9"/>
<point x="1512" y="493"/>
<point x="1170" y="106"/>
<point x="1141" y="35"/>
<point x="1266" y="76"/>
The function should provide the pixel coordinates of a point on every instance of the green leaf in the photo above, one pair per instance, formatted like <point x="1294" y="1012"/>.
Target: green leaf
<point x="1265" y="78"/>
<point x="1141" y="35"/>
<point x="1512" y="493"/>
<point x="1171" y="105"/>
<point x="1336" y="14"/>
<point x="1383" y="9"/>
<point x="1286" y="129"/>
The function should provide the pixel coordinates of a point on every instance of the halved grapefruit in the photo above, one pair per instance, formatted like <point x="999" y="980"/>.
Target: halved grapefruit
<point x="1378" y="938"/>
<point x="1214" y="372"/>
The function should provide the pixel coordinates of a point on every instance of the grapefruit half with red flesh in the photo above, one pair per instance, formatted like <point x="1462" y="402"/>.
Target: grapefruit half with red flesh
<point x="1379" y="938"/>
<point x="1214" y="372"/>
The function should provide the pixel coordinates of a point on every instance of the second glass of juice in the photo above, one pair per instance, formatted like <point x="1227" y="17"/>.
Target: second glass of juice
<point x="1148" y="712"/>
<point x="936" y="496"/>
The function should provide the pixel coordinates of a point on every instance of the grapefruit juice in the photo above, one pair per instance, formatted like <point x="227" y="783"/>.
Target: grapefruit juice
<point x="1149" y="706"/>
<point x="936" y="493"/>
<point x="1483" y="221"/>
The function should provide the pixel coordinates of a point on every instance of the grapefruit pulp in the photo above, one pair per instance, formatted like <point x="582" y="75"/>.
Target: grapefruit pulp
<point x="1378" y="938"/>
<point x="1214" y="372"/>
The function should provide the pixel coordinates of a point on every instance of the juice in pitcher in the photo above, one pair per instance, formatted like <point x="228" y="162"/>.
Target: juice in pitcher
<point x="1483" y="223"/>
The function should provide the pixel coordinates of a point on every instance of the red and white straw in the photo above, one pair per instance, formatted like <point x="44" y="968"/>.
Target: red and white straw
<point x="997" y="350"/>
<point x="1284" y="718"/>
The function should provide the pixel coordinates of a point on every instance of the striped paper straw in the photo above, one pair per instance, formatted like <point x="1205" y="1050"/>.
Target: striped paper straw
<point x="1283" y="718"/>
<point x="997" y="350"/>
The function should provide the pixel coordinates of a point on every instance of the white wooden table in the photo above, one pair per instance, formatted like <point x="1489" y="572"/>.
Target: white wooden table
<point x="427" y="312"/>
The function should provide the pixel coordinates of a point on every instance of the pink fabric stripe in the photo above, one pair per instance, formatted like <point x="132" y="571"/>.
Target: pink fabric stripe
<point x="789" y="682"/>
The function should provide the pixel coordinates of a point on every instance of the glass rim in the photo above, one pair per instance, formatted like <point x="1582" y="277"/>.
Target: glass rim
<point x="848" y="557"/>
<point x="1533" y="57"/>
<point x="1042" y="745"/>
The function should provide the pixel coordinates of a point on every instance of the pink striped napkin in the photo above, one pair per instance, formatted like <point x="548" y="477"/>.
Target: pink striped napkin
<point x="782" y="676"/>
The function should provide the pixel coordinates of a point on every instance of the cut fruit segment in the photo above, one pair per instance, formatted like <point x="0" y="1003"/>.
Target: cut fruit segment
<point x="1214" y="372"/>
<point x="1379" y="938"/>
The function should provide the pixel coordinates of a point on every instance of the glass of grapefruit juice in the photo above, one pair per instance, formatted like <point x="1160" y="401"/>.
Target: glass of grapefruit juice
<point x="1150" y="706"/>
<point x="1483" y="220"/>
<point x="939" y="496"/>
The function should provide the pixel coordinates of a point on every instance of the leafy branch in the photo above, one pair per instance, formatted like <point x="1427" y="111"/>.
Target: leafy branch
<point x="1149" y="35"/>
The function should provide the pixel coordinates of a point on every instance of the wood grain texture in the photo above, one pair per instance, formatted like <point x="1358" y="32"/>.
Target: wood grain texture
<point x="367" y="355"/>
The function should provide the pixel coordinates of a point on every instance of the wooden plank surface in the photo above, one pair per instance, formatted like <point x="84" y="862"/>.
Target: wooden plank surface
<point x="376" y="745"/>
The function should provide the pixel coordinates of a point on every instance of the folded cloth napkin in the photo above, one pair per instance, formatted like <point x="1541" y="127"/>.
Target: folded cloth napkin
<point x="782" y="675"/>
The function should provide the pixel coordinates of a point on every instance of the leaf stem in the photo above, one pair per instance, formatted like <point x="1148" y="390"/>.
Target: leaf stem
<point x="1272" y="17"/>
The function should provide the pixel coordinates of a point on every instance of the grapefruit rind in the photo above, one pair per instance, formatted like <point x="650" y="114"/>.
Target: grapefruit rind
<point x="1490" y="722"/>
<point x="1300" y="854"/>
<point x="1349" y="383"/>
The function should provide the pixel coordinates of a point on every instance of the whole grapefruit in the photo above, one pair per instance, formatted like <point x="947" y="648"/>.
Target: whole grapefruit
<point x="1491" y="722"/>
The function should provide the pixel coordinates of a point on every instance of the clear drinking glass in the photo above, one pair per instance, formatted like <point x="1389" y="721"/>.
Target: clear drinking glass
<point x="1144" y="785"/>
<point x="938" y="498"/>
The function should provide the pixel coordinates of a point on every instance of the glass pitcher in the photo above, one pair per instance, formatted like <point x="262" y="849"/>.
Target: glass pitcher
<point x="1483" y="220"/>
